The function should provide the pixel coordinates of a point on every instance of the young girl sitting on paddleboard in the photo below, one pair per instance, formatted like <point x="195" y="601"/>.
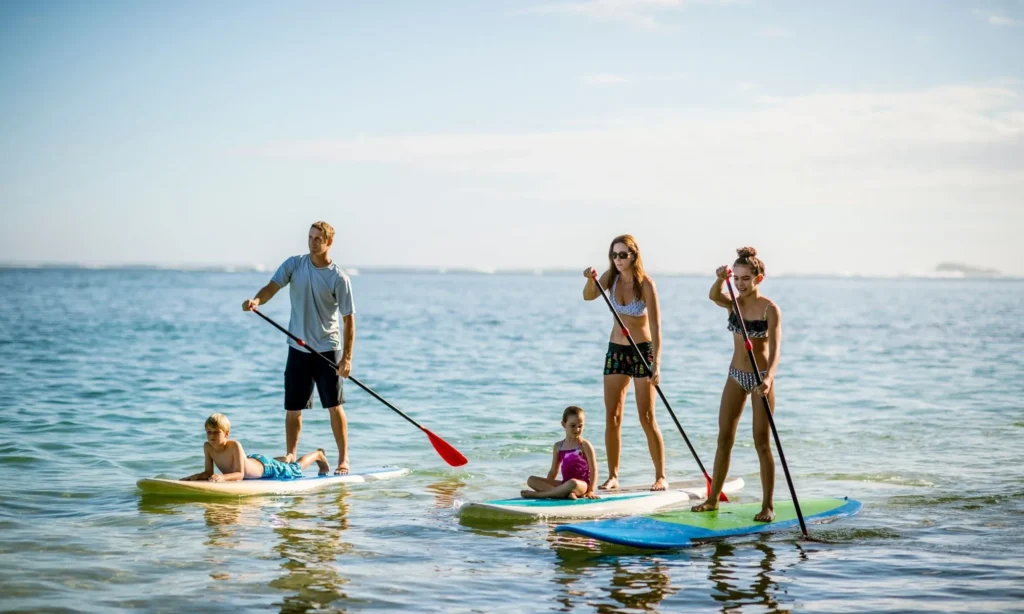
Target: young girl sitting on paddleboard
<point x="576" y="458"/>
<point x="763" y="321"/>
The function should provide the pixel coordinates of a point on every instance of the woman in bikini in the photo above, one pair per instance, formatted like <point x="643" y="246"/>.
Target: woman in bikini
<point x="765" y="332"/>
<point x="635" y="298"/>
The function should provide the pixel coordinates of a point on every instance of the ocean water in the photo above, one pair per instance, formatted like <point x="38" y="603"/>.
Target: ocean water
<point x="903" y="394"/>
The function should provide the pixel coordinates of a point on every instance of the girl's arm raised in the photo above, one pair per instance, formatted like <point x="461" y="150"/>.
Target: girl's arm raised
<point x="716" y="295"/>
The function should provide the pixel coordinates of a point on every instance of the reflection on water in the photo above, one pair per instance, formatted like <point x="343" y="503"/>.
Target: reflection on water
<point x="446" y="492"/>
<point x="743" y="577"/>
<point x="480" y="523"/>
<point x="634" y="583"/>
<point x="639" y="584"/>
<point x="748" y="576"/>
<point x="310" y="543"/>
<point x="497" y="526"/>
<point x="225" y="521"/>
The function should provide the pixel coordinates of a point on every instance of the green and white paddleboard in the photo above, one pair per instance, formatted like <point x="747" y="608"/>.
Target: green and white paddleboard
<point x="637" y="499"/>
<point x="679" y="529"/>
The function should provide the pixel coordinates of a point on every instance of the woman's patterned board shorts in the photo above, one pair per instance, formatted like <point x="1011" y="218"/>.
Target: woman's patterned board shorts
<point x="623" y="360"/>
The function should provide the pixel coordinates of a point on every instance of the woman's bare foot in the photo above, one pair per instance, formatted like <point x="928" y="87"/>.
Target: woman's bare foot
<point x="321" y="462"/>
<point x="342" y="468"/>
<point x="767" y="514"/>
<point x="609" y="484"/>
<point x="708" y="506"/>
<point x="660" y="484"/>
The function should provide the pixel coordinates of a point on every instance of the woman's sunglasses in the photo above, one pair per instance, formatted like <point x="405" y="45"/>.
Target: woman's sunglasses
<point x="620" y="255"/>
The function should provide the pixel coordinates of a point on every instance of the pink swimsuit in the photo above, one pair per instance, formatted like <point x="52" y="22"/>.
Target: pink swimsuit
<point x="574" y="464"/>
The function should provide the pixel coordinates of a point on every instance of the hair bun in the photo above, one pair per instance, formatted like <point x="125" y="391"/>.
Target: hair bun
<point x="746" y="252"/>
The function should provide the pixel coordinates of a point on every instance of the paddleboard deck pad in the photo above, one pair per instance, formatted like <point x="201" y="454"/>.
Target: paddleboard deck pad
<point x="626" y="500"/>
<point x="679" y="529"/>
<point x="255" y="488"/>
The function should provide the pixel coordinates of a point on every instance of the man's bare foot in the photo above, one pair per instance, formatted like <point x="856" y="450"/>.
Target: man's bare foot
<point x="321" y="462"/>
<point x="767" y="515"/>
<point x="529" y="494"/>
<point x="609" y="484"/>
<point x="660" y="484"/>
<point x="708" y="506"/>
<point x="289" y="458"/>
<point x="342" y="468"/>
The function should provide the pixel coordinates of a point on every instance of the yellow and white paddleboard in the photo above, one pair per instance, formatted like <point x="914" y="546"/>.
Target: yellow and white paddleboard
<point x="255" y="488"/>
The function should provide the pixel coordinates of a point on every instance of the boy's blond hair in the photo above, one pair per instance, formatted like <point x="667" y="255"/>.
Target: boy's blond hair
<point x="325" y="228"/>
<point x="219" y="422"/>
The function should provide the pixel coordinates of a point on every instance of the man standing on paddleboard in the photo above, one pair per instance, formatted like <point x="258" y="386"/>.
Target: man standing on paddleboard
<point x="320" y="292"/>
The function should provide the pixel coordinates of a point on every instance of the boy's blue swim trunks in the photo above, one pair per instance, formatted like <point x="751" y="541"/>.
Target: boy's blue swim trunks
<point x="274" y="469"/>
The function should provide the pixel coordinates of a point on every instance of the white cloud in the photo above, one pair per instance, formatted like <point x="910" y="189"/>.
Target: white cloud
<point x="998" y="20"/>
<point x="605" y="79"/>
<point x="955" y="136"/>
<point x="774" y="32"/>
<point x="883" y="177"/>
<point x="642" y="14"/>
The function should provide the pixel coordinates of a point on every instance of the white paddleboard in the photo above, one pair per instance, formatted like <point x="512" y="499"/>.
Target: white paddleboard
<point x="628" y="500"/>
<point x="254" y="488"/>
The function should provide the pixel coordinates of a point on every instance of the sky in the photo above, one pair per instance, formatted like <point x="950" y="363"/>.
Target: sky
<point x="836" y="137"/>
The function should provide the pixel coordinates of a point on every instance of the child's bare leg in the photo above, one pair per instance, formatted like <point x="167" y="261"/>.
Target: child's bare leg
<point x="734" y="398"/>
<point x="763" y="445"/>
<point x="569" y="490"/>
<point x="538" y="484"/>
<point x="319" y="457"/>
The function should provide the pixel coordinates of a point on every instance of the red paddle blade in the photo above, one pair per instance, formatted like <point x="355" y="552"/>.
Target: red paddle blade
<point x="450" y="455"/>
<point x="721" y="495"/>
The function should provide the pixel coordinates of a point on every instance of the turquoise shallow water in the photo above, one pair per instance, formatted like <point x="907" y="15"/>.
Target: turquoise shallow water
<point x="901" y="394"/>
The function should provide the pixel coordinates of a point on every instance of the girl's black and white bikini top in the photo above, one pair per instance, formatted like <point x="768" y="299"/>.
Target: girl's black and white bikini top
<point x="756" y="329"/>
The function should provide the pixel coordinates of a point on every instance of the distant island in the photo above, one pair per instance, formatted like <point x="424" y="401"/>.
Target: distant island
<point x="956" y="268"/>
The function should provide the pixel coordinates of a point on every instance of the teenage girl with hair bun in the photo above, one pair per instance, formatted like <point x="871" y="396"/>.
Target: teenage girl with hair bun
<point x="763" y="321"/>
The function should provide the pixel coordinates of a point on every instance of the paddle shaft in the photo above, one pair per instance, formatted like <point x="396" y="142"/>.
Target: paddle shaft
<point x="767" y="404"/>
<point x="332" y="363"/>
<point x="625" y="331"/>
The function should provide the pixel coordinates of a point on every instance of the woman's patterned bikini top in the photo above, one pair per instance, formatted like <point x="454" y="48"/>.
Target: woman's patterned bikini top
<point x="635" y="308"/>
<point x="756" y="329"/>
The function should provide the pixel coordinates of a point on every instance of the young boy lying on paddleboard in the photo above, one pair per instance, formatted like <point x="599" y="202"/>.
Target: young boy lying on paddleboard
<point x="229" y="457"/>
<point x="576" y="457"/>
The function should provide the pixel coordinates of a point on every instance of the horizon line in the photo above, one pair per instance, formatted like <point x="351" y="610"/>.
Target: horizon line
<point x="968" y="272"/>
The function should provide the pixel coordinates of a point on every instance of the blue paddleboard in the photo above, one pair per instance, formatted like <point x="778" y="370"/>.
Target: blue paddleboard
<point x="678" y="529"/>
